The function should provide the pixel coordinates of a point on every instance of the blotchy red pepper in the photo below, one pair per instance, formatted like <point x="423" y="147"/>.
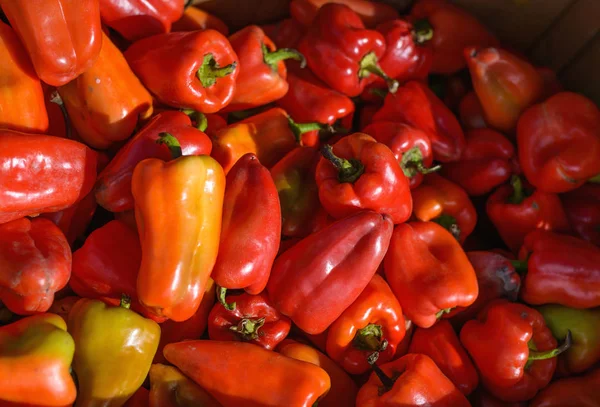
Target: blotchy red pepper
<point x="341" y="258"/>
<point x="63" y="37"/>
<point x="582" y="206"/>
<point x="559" y="142"/>
<point x="371" y="13"/>
<point x="36" y="262"/>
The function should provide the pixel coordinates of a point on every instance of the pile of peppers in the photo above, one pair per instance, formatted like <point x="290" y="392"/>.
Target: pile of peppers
<point x="353" y="206"/>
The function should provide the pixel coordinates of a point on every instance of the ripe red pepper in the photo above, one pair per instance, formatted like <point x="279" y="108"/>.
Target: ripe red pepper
<point x="322" y="275"/>
<point x="453" y="30"/>
<point x="243" y="262"/>
<point x="582" y="206"/>
<point x="137" y="19"/>
<point x="285" y="33"/>
<point x="560" y="270"/>
<point x="371" y="13"/>
<point x="52" y="173"/>
<point x="570" y="392"/>
<point x="253" y="320"/>
<point x="191" y="70"/>
<point x="36" y="263"/>
<point x="411" y="147"/>
<point x="486" y="162"/>
<point x="513" y="350"/>
<point x="74" y="220"/>
<point x="373" y="323"/>
<point x="359" y="173"/>
<point x="429" y="272"/>
<point x="63" y="37"/>
<point x="342" y="52"/>
<point x="559" y="142"/>
<point x="113" y="187"/>
<point x="515" y="210"/>
<point x="415" y="104"/>
<point x="471" y="112"/>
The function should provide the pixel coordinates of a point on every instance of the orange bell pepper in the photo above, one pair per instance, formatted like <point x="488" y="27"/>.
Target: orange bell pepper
<point x="194" y="19"/>
<point x="170" y="388"/>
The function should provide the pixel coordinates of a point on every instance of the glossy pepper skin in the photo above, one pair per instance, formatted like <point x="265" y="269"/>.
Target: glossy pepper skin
<point x="428" y="272"/>
<point x="560" y="270"/>
<point x="178" y="251"/>
<point x="515" y="210"/>
<point x="113" y="186"/>
<point x="358" y="173"/>
<point x="304" y="277"/>
<point x="29" y="187"/>
<point x="253" y="319"/>
<point x="582" y="206"/>
<point x="343" y="389"/>
<point x="411" y="380"/>
<point x="342" y="52"/>
<point x="137" y="19"/>
<point x="105" y="337"/>
<point x="506" y="85"/>
<point x="371" y="13"/>
<point x="170" y="388"/>
<point x="21" y="94"/>
<point x="35" y="358"/>
<point x="504" y="342"/>
<point x="486" y="162"/>
<point x="415" y="104"/>
<point x="288" y="382"/>
<point x="194" y="19"/>
<point x="191" y="70"/>
<point x="373" y="323"/>
<point x="442" y="345"/>
<point x="243" y="262"/>
<point x="559" y="142"/>
<point x="63" y="37"/>
<point x="570" y="392"/>
<point x="36" y="262"/>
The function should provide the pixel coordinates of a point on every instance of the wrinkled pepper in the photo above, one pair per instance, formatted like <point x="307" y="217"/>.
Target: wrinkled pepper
<point x="35" y="359"/>
<point x="570" y="392"/>
<point x="194" y="19"/>
<point x="582" y="206"/>
<point x="342" y="52"/>
<point x="371" y="13"/>
<point x="344" y="254"/>
<point x="191" y="70"/>
<point x="74" y="220"/>
<point x="63" y="37"/>
<point x="373" y="323"/>
<point x="471" y="112"/>
<point x="255" y="376"/>
<point x="559" y="142"/>
<point x="428" y="272"/>
<point x="285" y="33"/>
<point x="35" y="167"/>
<point x="170" y="388"/>
<point x="358" y="173"/>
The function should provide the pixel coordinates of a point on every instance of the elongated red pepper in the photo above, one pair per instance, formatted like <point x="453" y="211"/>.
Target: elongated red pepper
<point x="415" y="104"/>
<point x="52" y="173"/>
<point x="471" y="112"/>
<point x="137" y="19"/>
<point x="342" y="257"/>
<point x="582" y="206"/>
<point x="195" y="70"/>
<point x="113" y="187"/>
<point x="559" y="142"/>
<point x="429" y="272"/>
<point x="342" y="53"/>
<point x="359" y="173"/>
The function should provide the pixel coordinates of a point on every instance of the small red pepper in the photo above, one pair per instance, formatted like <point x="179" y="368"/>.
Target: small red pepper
<point x="471" y="112"/>
<point x="285" y="33"/>
<point x="582" y="206"/>
<point x="191" y="70"/>
<point x="371" y="13"/>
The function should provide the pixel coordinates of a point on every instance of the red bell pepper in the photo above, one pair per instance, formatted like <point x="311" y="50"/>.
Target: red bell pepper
<point x="342" y="52"/>
<point x="74" y="220"/>
<point x="113" y="187"/>
<point x="371" y="13"/>
<point x="582" y="206"/>
<point x="486" y="162"/>
<point x="194" y="19"/>
<point x="453" y="30"/>
<point x="575" y="391"/>
<point x="52" y="173"/>
<point x="515" y="210"/>
<point x="244" y="263"/>
<point x="253" y="319"/>
<point x="411" y="147"/>
<point x="471" y="112"/>
<point x="560" y="270"/>
<point x="373" y="323"/>
<point x="513" y="350"/>
<point x="429" y="272"/>
<point x="63" y="37"/>
<point x="285" y="33"/>
<point x="559" y="142"/>
<point x="341" y="258"/>
<point x="36" y="263"/>
<point x="446" y="203"/>
<point x="415" y="104"/>
<point x="137" y="19"/>
<point x="359" y="173"/>
<point x="195" y="70"/>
